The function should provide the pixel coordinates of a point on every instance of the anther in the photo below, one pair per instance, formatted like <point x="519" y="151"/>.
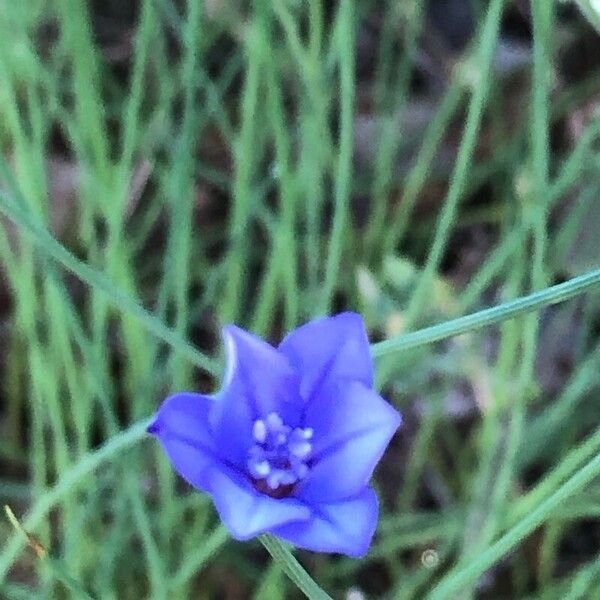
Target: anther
<point x="277" y="460"/>
<point x="259" y="431"/>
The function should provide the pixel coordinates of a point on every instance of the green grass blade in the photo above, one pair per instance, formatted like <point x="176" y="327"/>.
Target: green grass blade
<point x="66" y="483"/>
<point x="489" y="316"/>
<point x="293" y="568"/>
<point x="119" y="299"/>
<point x="455" y="580"/>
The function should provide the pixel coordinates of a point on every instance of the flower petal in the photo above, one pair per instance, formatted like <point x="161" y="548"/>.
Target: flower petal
<point x="352" y="426"/>
<point x="259" y="380"/>
<point x="330" y="348"/>
<point x="346" y="527"/>
<point x="248" y="513"/>
<point x="183" y="428"/>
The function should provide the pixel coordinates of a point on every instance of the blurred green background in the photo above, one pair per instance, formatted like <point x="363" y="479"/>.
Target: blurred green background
<point x="170" y="166"/>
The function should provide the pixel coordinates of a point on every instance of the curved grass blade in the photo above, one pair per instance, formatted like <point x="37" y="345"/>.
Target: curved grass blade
<point x="489" y="316"/>
<point x="49" y="499"/>
<point x="461" y="576"/>
<point x="49" y="246"/>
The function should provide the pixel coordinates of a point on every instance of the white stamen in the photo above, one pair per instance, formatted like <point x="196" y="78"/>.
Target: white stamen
<point x="262" y="469"/>
<point x="274" y="479"/>
<point x="300" y="471"/>
<point x="259" y="431"/>
<point x="279" y="454"/>
<point x="301" y="449"/>
<point x="274" y="421"/>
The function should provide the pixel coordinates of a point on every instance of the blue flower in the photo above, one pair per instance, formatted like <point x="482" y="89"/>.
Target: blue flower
<point x="289" y="444"/>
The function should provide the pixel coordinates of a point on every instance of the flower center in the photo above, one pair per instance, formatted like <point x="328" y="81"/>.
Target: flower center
<point x="278" y="458"/>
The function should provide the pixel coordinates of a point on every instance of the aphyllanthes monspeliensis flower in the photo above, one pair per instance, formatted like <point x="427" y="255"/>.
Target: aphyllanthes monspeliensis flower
<point x="289" y="444"/>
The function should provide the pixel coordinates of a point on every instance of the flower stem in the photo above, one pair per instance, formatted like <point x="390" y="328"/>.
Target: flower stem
<point x="294" y="570"/>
